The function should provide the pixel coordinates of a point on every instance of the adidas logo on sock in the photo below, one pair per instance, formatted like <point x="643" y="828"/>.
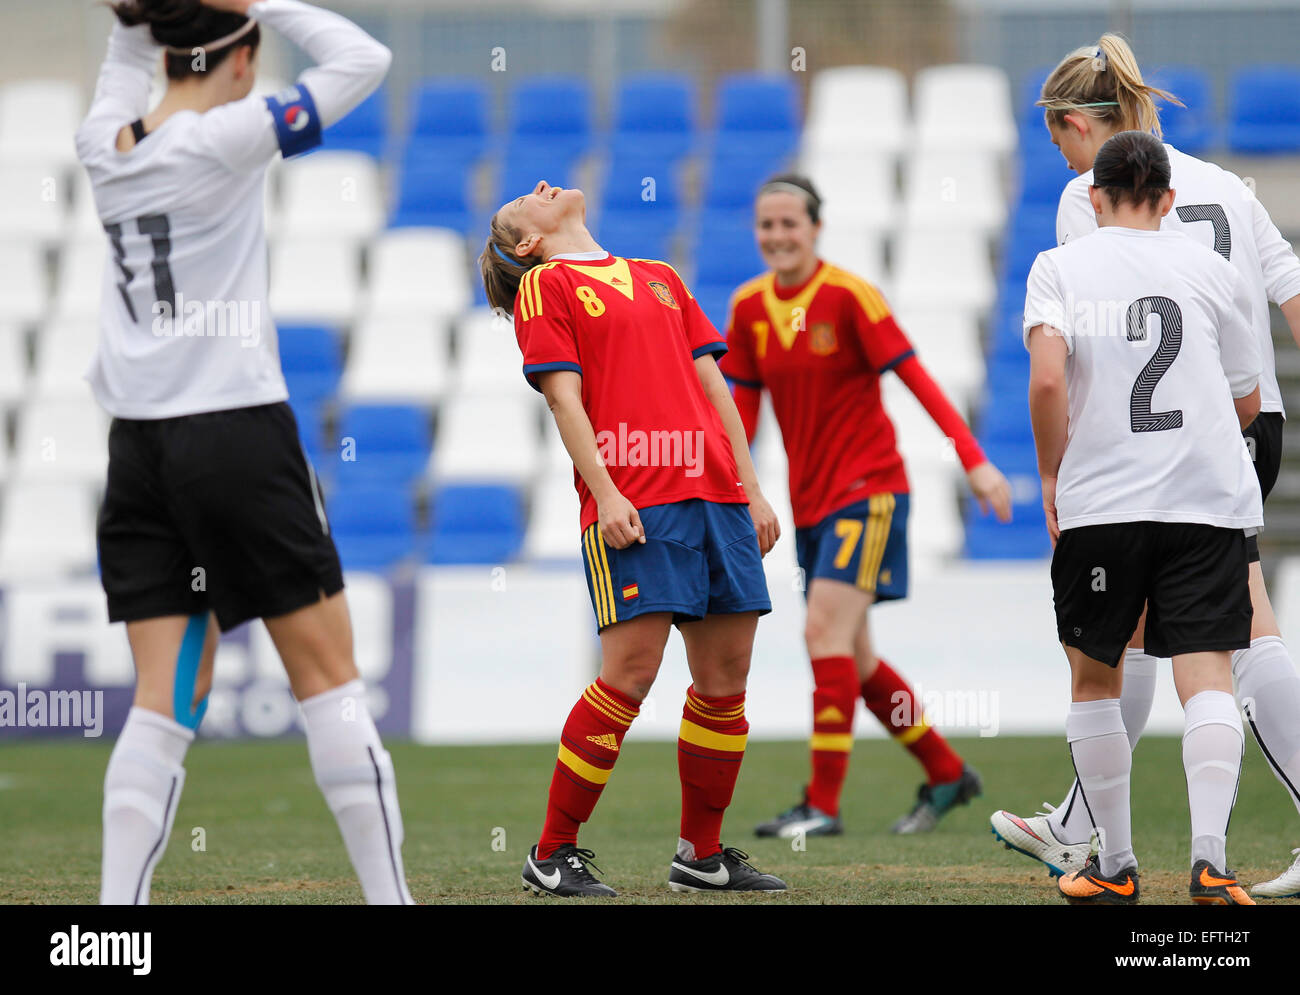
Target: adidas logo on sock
<point x="829" y="714"/>
<point x="608" y="740"/>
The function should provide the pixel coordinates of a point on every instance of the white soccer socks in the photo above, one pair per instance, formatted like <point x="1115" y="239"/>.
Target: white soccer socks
<point x="1212" y="745"/>
<point x="142" y="787"/>
<point x="1103" y="760"/>
<point x="1269" y="691"/>
<point x="1070" y="820"/>
<point x="355" y="773"/>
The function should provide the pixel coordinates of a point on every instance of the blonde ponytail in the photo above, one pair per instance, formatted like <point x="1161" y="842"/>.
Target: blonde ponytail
<point x="1104" y="82"/>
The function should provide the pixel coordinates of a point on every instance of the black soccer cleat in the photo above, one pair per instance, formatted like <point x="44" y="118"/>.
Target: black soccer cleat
<point x="564" y="874"/>
<point x="1209" y="887"/>
<point x="725" y="871"/>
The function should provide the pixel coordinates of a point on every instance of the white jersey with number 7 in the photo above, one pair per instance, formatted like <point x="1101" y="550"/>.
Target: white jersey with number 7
<point x="1215" y="208"/>
<point x="1160" y="341"/>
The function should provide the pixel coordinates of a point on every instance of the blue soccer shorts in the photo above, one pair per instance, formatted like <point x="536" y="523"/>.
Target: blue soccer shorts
<point x="699" y="558"/>
<point x="863" y="544"/>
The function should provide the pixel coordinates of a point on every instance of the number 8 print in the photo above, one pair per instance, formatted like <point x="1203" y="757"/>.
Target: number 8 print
<point x="594" y="305"/>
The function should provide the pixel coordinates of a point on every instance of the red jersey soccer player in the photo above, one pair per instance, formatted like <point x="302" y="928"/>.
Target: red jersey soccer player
<point x="626" y="360"/>
<point x="819" y="339"/>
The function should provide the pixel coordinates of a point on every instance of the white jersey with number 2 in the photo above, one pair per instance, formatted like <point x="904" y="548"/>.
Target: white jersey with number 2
<point x="1215" y="208"/>
<point x="1160" y="341"/>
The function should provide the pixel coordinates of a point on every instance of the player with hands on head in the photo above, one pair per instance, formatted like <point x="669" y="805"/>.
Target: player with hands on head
<point x="206" y="471"/>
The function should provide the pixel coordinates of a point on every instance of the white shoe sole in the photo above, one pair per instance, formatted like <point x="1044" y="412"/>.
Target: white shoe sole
<point x="1059" y="858"/>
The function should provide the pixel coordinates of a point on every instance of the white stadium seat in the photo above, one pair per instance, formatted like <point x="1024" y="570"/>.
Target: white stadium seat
<point x="35" y="202"/>
<point x="953" y="191"/>
<point x="418" y="271"/>
<point x="38" y="119"/>
<point x="925" y="449"/>
<point x="854" y="109"/>
<point x="397" y="361"/>
<point x="64" y="350"/>
<point x="935" y="528"/>
<point x="860" y="252"/>
<point x="13" y="370"/>
<point x="331" y="194"/>
<point x="47" y="531"/>
<point x="488" y="360"/>
<point x="79" y="287"/>
<point x="62" y="440"/>
<point x="942" y="270"/>
<point x="553" y="524"/>
<point x="24" y="287"/>
<point x="487" y="439"/>
<point x="964" y="107"/>
<point x="314" y="280"/>
<point x="859" y="191"/>
<point x="948" y="343"/>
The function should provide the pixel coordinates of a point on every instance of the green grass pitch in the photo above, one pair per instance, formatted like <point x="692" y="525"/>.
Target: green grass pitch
<point x="471" y="813"/>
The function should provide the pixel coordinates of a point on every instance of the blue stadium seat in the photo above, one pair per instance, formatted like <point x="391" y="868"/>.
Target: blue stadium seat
<point x="517" y="177"/>
<point x="1265" y="114"/>
<point x="655" y="116"/>
<point x="432" y="193"/>
<point x="550" y="116"/>
<point x="1029" y="115"/>
<point x="390" y="444"/>
<point x="631" y="242"/>
<point x="640" y="196"/>
<point x="726" y="253"/>
<point x="373" y="527"/>
<point x="365" y="129"/>
<point x="1043" y="172"/>
<point x="757" y="115"/>
<point x="452" y="116"/>
<point x="476" y="524"/>
<point x="714" y="299"/>
<point x="310" y="417"/>
<point x="733" y="180"/>
<point x="1189" y="128"/>
<point x="311" y="360"/>
<point x="1023" y="538"/>
<point x="1032" y="230"/>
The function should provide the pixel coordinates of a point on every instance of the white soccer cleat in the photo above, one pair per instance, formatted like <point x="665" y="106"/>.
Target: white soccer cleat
<point x="1034" y="838"/>
<point x="1285" y="885"/>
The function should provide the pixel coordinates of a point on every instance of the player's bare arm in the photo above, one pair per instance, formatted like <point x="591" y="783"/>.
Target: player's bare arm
<point x="620" y="525"/>
<point x="715" y="389"/>
<point x="1048" y="411"/>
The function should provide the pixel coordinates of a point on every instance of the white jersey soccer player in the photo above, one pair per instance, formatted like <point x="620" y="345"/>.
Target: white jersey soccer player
<point x="206" y="468"/>
<point x="1144" y="368"/>
<point x="1092" y="94"/>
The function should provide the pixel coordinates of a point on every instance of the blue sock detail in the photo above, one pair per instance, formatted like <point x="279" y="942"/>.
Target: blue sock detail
<point x="187" y="672"/>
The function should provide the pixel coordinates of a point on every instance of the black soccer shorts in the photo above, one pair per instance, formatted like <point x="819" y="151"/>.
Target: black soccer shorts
<point x="217" y="512"/>
<point x="1264" y="443"/>
<point x="1193" y="579"/>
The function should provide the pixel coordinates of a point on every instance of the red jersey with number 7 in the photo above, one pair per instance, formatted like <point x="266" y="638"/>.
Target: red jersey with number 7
<point x="820" y="350"/>
<point x="633" y="331"/>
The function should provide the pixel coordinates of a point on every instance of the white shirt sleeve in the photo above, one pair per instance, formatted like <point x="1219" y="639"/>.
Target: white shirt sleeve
<point x="1276" y="257"/>
<point x="1074" y="214"/>
<point x="1239" y="352"/>
<point x="122" y="90"/>
<point x="350" y="66"/>
<point x="1045" y="301"/>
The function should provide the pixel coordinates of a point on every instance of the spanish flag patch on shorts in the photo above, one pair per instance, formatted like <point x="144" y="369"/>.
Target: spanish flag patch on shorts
<point x="630" y="592"/>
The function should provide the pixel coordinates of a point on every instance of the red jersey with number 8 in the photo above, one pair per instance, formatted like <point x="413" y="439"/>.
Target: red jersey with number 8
<point x="633" y="331"/>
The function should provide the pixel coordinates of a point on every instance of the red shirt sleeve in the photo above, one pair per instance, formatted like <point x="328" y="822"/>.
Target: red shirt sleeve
<point x="544" y="327"/>
<point x="740" y="365"/>
<point x="882" y="340"/>
<point x="701" y="336"/>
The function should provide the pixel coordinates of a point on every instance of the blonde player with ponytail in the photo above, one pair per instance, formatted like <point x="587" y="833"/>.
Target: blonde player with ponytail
<point x="1095" y="92"/>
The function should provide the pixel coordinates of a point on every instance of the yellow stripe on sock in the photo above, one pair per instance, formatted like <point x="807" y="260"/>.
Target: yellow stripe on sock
<point x="599" y="705"/>
<point x="911" y="734"/>
<point x="583" y="769"/>
<point x="611" y="702"/>
<point x="840" y="742"/>
<point x="699" y="736"/>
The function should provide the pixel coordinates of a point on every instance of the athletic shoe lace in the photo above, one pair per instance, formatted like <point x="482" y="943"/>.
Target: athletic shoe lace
<point x="738" y="857"/>
<point x="1046" y="810"/>
<point x="578" y="859"/>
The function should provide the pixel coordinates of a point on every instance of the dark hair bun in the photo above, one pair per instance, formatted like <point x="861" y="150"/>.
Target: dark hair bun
<point x="1135" y="163"/>
<point x="156" y="13"/>
<point x="178" y="23"/>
